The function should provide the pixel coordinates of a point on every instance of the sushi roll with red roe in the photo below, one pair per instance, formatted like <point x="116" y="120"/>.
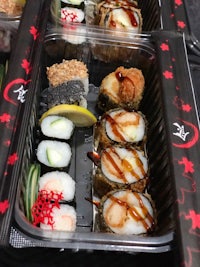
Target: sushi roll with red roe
<point x="58" y="182"/>
<point x="63" y="218"/>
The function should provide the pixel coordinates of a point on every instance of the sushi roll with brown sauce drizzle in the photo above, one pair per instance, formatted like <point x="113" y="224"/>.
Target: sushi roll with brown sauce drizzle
<point x="121" y="168"/>
<point x="127" y="212"/>
<point x="119" y="15"/>
<point x="121" y="88"/>
<point x="119" y="126"/>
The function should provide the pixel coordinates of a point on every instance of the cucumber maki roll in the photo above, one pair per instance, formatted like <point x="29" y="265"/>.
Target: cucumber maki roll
<point x="57" y="127"/>
<point x="54" y="153"/>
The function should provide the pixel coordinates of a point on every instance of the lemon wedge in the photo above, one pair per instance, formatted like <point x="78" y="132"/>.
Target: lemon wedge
<point x="80" y="116"/>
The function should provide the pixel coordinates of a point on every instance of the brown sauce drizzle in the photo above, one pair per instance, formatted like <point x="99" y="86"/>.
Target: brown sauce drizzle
<point x="126" y="6"/>
<point x="133" y="211"/>
<point x="125" y="164"/>
<point x="116" y="127"/>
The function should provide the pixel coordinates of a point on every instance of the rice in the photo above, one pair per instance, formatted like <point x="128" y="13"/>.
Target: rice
<point x="54" y="153"/>
<point x="57" y="127"/>
<point x="58" y="182"/>
<point x="128" y="212"/>
<point x="64" y="219"/>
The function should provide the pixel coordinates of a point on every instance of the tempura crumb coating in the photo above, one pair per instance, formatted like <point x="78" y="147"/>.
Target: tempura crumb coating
<point x="65" y="71"/>
<point x="122" y="88"/>
<point x="121" y="123"/>
<point x="10" y="7"/>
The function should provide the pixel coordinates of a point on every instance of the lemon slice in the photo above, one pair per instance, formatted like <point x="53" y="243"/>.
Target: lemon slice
<point x="80" y="116"/>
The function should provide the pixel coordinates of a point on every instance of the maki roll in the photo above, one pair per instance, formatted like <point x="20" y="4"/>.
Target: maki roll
<point x="63" y="218"/>
<point x="127" y="212"/>
<point x="119" y="126"/>
<point x="121" y="88"/>
<point x="54" y="154"/>
<point x="121" y="14"/>
<point x="71" y="92"/>
<point x="57" y="127"/>
<point x="66" y="71"/>
<point x="121" y="167"/>
<point x="58" y="182"/>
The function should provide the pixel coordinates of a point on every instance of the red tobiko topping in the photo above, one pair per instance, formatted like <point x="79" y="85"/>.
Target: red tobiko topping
<point x="43" y="207"/>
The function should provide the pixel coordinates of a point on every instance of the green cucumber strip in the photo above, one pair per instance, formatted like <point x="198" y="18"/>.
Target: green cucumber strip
<point x="59" y="123"/>
<point x="53" y="156"/>
<point x="31" y="190"/>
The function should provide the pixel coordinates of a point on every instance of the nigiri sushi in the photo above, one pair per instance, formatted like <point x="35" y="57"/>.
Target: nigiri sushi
<point x="128" y="212"/>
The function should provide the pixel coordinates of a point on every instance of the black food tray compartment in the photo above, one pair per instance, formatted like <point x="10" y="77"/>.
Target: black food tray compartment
<point x="144" y="57"/>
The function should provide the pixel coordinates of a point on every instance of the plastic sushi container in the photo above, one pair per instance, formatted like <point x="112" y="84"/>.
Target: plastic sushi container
<point x="145" y="16"/>
<point x="146" y="53"/>
<point x="169" y="107"/>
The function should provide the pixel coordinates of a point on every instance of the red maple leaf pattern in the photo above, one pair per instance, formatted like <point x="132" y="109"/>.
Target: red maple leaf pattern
<point x="26" y="66"/>
<point x="5" y="117"/>
<point x="164" y="47"/>
<point x="189" y="166"/>
<point x="12" y="159"/>
<point x="34" y="32"/>
<point x="4" y="205"/>
<point x="178" y="2"/>
<point x="168" y="74"/>
<point x="179" y="103"/>
<point x="181" y="24"/>
<point x="186" y="107"/>
<point x="195" y="217"/>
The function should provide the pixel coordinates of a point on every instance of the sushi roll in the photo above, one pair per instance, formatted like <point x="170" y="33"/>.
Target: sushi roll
<point x="66" y="71"/>
<point x="120" y="15"/>
<point x="71" y="92"/>
<point x="121" y="88"/>
<point x="121" y="168"/>
<point x="57" y="127"/>
<point x="54" y="154"/>
<point x="127" y="212"/>
<point x="58" y="182"/>
<point x="63" y="219"/>
<point x="119" y="126"/>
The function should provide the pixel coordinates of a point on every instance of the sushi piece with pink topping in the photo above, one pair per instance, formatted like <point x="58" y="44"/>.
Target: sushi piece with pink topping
<point x="58" y="182"/>
<point x="63" y="219"/>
